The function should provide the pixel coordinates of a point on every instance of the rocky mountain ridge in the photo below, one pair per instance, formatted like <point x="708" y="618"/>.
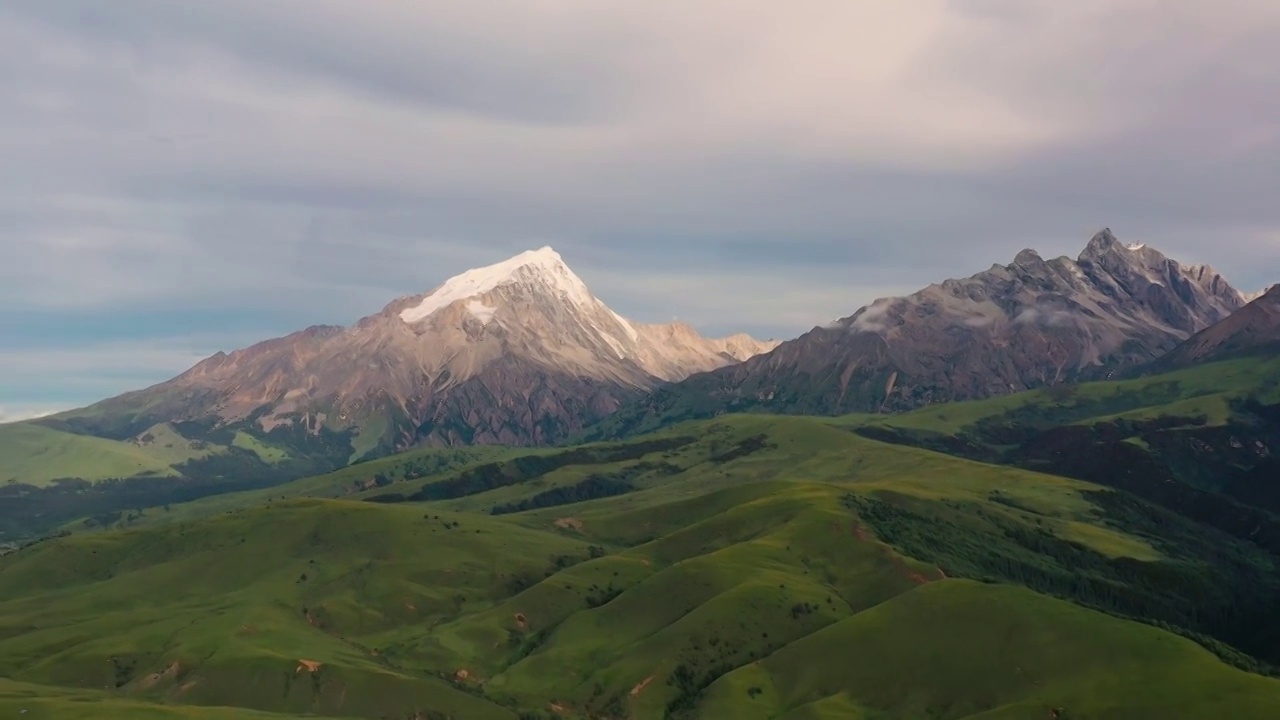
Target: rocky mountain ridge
<point x="1030" y="323"/>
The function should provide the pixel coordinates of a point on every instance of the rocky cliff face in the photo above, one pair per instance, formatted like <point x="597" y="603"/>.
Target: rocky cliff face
<point x="1253" y="330"/>
<point x="520" y="352"/>
<point x="1013" y="327"/>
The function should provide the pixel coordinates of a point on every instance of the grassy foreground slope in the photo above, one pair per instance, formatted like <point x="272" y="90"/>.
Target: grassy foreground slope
<point x="748" y="567"/>
<point x="957" y="648"/>
<point x="37" y="702"/>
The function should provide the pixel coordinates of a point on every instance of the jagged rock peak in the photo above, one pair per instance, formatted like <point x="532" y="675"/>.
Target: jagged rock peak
<point x="1028" y="257"/>
<point x="1101" y="243"/>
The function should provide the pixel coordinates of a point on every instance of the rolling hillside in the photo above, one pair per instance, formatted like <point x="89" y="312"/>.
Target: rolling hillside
<point x="1201" y="441"/>
<point x="53" y="474"/>
<point x="672" y="576"/>
<point x="36" y="455"/>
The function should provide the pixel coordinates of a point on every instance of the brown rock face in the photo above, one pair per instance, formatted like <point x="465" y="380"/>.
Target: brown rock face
<point x="1254" y="329"/>
<point x="1031" y="323"/>
<point x="516" y="353"/>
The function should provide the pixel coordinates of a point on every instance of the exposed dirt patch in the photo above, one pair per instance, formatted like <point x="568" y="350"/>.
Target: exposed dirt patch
<point x="568" y="523"/>
<point x="154" y="679"/>
<point x="186" y="687"/>
<point x="310" y="666"/>
<point x="859" y="532"/>
<point x="639" y="688"/>
<point x="900" y="563"/>
<point x="558" y="709"/>
<point x="521" y="621"/>
<point x="410" y="607"/>
<point x="645" y="562"/>
<point x="915" y="577"/>
<point x="462" y="675"/>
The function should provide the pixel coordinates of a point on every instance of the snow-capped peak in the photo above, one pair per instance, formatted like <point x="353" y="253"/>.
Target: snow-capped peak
<point x="550" y="316"/>
<point x="543" y="266"/>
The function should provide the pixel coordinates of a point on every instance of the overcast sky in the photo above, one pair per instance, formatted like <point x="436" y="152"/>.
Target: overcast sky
<point x="184" y="177"/>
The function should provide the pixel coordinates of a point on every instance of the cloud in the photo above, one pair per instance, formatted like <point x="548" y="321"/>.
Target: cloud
<point x="869" y="319"/>
<point x="1051" y="318"/>
<point x="17" y="414"/>
<point x="745" y="165"/>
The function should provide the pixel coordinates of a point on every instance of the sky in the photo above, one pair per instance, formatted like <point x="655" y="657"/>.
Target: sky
<point x="183" y="178"/>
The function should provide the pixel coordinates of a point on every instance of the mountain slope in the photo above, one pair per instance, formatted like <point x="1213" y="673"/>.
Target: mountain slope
<point x="519" y="353"/>
<point x="747" y="547"/>
<point x="1027" y="324"/>
<point x="1255" y="329"/>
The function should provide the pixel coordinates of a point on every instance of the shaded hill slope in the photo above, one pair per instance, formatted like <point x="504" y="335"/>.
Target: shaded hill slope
<point x="1200" y="441"/>
<point x="1046" y="663"/>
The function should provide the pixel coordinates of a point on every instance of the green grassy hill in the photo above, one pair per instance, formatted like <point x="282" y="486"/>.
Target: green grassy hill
<point x="1208" y="390"/>
<point x="360" y="479"/>
<point x="52" y="472"/>
<point x="39" y="702"/>
<point x="746" y="567"/>
<point x="1199" y="441"/>
<point x="960" y="649"/>
<point x="35" y="455"/>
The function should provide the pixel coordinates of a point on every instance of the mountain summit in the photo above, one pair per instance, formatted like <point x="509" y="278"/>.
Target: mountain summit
<point x="519" y="352"/>
<point x="1031" y="323"/>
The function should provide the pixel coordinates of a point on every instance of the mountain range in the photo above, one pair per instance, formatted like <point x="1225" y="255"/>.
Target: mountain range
<point x="523" y="353"/>
<point x="1031" y="323"/>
